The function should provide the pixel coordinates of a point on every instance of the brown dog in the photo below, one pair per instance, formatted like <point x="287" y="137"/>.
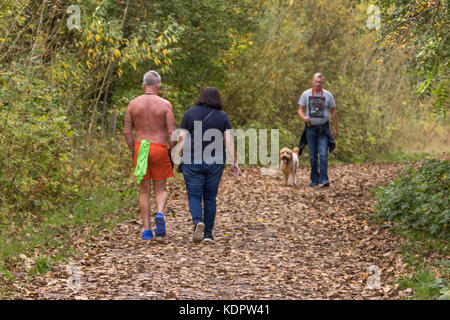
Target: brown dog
<point x="288" y="165"/>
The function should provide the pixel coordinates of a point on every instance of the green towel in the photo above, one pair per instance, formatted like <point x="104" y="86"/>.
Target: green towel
<point x="142" y="160"/>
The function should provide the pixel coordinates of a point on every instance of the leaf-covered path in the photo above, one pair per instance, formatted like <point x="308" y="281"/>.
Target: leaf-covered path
<point x="272" y="242"/>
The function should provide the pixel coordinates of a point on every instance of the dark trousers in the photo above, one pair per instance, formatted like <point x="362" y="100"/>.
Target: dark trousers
<point x="318" y="144"/>
<point x="202" y="183"/>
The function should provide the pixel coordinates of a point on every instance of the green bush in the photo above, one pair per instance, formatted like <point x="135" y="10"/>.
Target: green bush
<point x="419" y="199"/>
<point x="34" y="142"/>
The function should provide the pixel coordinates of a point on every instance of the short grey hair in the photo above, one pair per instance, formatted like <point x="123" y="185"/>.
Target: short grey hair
<point x="319" y="75"/>
<point x="152" y="78"/>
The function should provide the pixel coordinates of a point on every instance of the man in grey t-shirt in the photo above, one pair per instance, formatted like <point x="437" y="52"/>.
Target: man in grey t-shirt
<point x="315" y="106"/>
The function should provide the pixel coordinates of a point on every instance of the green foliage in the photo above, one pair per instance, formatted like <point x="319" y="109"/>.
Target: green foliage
<point x="419" y="199"/>
<point x="425" y="285"/>
<point x="41" y="266"/>
<point x="63" y="95"/>
<point x="34" y="143"/>
<point x="212" y="30"/>
<point x="365" y="129"/>
<point x="421" y="27"/>
<point x="84" y="64"/>
<point x="429" y="277"/>
<point x="416" y="205"/>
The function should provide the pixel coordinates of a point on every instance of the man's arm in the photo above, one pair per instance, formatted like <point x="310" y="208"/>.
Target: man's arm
<point x="301" y="113"/>
<point x="128" y="128"/>
<point x="335" y="122"/>
<point x="170" y="125"/>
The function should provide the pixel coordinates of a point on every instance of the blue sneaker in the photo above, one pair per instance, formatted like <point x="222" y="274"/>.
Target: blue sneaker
<point x="147" y="235"/>
<point x="160" y="230"/>
<point x="313" y="184"/>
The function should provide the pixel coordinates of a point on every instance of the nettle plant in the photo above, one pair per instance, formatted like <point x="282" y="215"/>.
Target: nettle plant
<point x="419" y="199"/>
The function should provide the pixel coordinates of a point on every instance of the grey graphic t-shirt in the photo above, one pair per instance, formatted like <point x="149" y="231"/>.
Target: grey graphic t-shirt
<point x="316" y="111"/>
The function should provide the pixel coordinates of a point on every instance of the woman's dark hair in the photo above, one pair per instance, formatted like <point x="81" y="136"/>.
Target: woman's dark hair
<point x="209" y="96"/>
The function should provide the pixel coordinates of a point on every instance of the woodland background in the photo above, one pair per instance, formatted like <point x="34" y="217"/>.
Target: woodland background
<point x="64" y="92"/>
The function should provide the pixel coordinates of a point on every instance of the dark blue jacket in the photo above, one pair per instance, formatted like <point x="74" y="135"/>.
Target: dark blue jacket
<point x="320" y="129"/>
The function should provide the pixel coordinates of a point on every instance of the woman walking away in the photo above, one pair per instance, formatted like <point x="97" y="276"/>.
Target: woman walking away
<point x="207" y="131"/>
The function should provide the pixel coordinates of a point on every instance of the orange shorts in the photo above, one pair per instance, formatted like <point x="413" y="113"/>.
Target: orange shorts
<point x="159" y="166"/>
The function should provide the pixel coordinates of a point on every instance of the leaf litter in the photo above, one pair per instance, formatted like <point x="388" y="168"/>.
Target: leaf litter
<point x="271" y="242"/>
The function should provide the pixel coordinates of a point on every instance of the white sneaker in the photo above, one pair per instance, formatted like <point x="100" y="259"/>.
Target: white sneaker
<point x="208" y="239"/>
<point x="198" y="232"/>
<point x="326" y="184"/>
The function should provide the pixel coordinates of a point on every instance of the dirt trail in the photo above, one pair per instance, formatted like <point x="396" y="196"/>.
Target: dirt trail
<point x="272" y="242"/>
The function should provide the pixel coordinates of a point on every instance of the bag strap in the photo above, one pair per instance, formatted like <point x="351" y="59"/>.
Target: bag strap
<point x="206" y="118"/>
<point x="208" y="115"/>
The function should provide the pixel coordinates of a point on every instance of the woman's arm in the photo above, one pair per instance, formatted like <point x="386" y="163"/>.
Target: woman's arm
<point x="229" y="142"/>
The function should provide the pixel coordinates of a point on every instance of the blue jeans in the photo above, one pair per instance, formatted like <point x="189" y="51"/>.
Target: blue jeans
<point x="317" y="143"/>
<point x="202" y="183"/>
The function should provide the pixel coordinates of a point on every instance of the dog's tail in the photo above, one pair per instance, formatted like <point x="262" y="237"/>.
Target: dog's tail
<point x="297" y="151"/>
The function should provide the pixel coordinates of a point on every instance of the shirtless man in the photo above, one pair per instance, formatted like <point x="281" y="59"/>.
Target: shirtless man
<point x="152" y="118"/>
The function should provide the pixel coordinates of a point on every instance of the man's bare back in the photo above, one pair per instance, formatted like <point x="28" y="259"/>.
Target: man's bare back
<point x="152" y="118"/>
